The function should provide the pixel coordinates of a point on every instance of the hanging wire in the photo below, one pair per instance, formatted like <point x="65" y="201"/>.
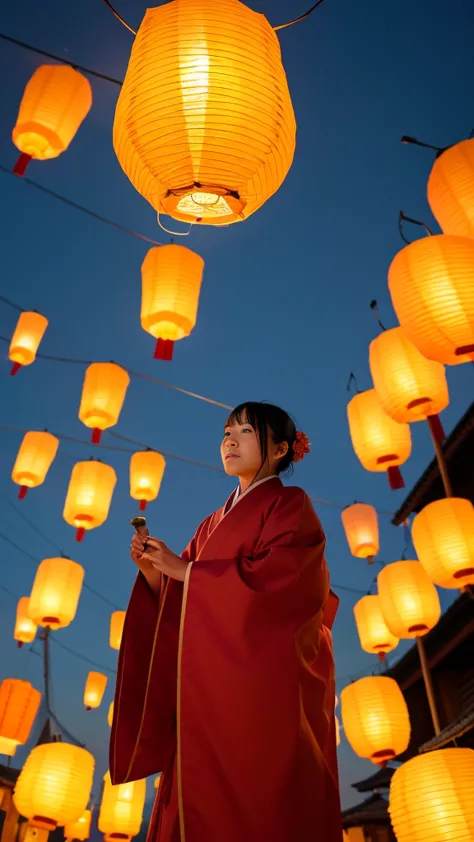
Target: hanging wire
<point x="402" y="218"/>
<point x="82" y="657"/>
<point x="82" y="208"/>
<point x="352" y="382"/>
<point x="301" y="17"/>
<point x="414" y="142"/>
<point x="119" y="17"/>
<point x="375" y="310"/>
<point x="61" y="59"/>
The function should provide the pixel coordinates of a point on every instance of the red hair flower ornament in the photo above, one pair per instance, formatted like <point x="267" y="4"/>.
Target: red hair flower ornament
<point x="301" y="446"/>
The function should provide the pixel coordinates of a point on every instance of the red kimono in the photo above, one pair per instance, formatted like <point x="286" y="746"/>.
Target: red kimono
<point x="226" y="682"/>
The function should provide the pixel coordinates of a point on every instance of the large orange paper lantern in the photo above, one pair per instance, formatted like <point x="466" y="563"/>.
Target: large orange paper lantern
<point x="56" y="100"/>
<point x="117" y="619"/>
<point x="408" y="599"/>
<point x="171" y="283"/>
<point x="374" y="635"/>
<point x="379" y="443"/>
<point x="410" y="387"/>
<point x="204" y="126"/>
<point x="375" y="718"/>
<point x="146" y="474"/>
<point x="54" y="785"/>
<point x="431" y="282"/>
<point x="94" y="690"/>
<point x="451" y="189"/>
<point x="121" y="809"/>
<point x="25" y="628"/>
<point x="103" y="394"/>
<point x="80" y="829"/>
<point x="431" y="797"/>
<point x="55" y="593"/>
<point x="19" y="703"/>
<point x="34" y="459"/>
<point x="362" y="530"/>
<point x="25" y="342"/>
<point x="443" y="536"/>
<point x="89" y="496"/>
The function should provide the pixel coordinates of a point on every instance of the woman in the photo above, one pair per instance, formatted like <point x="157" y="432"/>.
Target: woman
<point x="226" y="674"/>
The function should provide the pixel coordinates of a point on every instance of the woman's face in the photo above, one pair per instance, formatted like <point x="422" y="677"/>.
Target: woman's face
<point x="241" y="455"/>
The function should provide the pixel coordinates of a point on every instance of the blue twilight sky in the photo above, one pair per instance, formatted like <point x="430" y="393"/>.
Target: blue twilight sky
<point x="284" y="312"/>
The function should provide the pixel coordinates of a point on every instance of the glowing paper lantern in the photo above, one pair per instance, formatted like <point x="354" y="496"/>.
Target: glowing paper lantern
<point x="374" y="635"/>
<point x="110" y="715"/>
<point x="19" y="703"/>
<point x="362" y="530"/>
<point x="56" y="591"/>
<point x="54" y="104"/>
<point x="451" y="189"/>
<point x="204" y="126"/>
<point x="431" y="282"/>
<point x="409" y="386"/>
<point x="34" y="460"/>
<point x="25" y="628"/>
<point x="117" y="619"/>
<point x="146" y="473"/>
<point x="171" y="283"/>
<point x="443" y="536"/>
<point x="408" y="599"/>
<point x="121" y="809"/>
<point x="431" y="797"/>
<point x="89" y="496"/>
<point x="54" y="785"/>
<point x="375" y="718"/>
<point x="80" y="829"/>
<point x="94" y="689"/>
<point x="28" y="334"/>
<point x="103" y="394"/>
<point x="379" y="443"/>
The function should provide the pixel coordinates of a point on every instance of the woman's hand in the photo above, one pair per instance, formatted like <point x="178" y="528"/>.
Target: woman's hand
<point x="151" y="574"/>
<point x="161" y="558"/>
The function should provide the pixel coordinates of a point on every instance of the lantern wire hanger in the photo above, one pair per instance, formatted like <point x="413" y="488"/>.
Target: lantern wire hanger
<point x="402" y="218"/>
<point x="352" y="384"/>
<point x="275" y="28"/>
<point x="375" y="310"/>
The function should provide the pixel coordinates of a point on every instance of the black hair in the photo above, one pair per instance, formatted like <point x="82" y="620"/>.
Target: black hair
<point x="263" y="417"/>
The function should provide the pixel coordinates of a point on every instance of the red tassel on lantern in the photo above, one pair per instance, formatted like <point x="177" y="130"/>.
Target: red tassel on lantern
<point x="96" y="435"/>
<point x="142" y="505"/>
<point x="395" y="479"/>
<point x="21" y="164"/>
<point x="15" y="367"/>
<point x="22" y="492"/>
<point x="382" y="656"/>
<point x="436" y="428"/>
<point x="164" y="349"/>
<point x="20" y="644"/>
<point x="80" y="532"/>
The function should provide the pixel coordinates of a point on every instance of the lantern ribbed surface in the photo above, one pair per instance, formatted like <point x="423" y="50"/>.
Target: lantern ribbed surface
<point x="81" y="829"/>
<point x="431" y="797"/>
<point x="117" y="619"/>
<point x="451" y="189"/>
<point x="443" y="536"/>
<point x="55" y="783"/>
<point x="54" y="104"/>
<point x="96" y="683"/>
<point x="55" y="593"/>
<point x="146" y="474"/>
<point x="378" y="441"/>
<point x="374" y="635"/>
<point x="25" y="628"/>
<point x="103" y="394"/>
<point x="28" y="334"/>
<point x="204" y="126"/>
<point x="431" y="282"/>
<point x="121" y="809"/>
<point x="89" y="494"/>
<point x="409" y="386"/>
<point x="375" y="718"/>
<point x="171" y="283"/>
<point x="34" y="459"/>
<point x="19" y="703"/>
<point x="408" y="599"/>
<point x="362" y="530"/>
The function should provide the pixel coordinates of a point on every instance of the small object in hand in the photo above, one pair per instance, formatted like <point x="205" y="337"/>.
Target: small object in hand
<point x="139" y="523"/>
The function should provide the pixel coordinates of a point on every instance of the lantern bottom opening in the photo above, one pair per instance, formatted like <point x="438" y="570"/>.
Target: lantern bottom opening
<point x="419" y="629"/>
<point x="367" y="550"/>
<point x="21" y="356"/>
<point x="383" y="756"/>
<point x="43" y="822"/>
<point x="467" y="573"/>
<point x="201" y="203"/>
<point x="50" y="622"/>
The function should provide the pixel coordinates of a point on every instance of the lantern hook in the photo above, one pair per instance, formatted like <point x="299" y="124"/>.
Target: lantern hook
<point x="415" y="142"/>
<point x="375" y="310"/>
<point x="173" y="233"/>
<point x="402" y="218"/>
<point x="352" y="382"/>
<point x="120" y="18"/>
